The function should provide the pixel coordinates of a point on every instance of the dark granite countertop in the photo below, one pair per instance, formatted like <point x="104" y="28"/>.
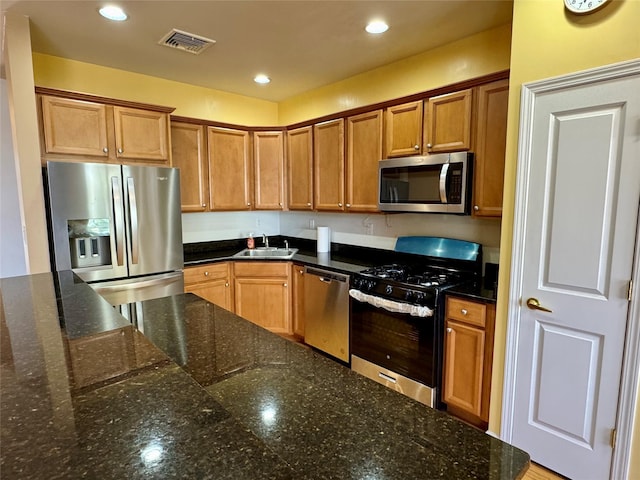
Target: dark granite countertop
<point x="343" y="258"/>
<point x="194" y="391"/>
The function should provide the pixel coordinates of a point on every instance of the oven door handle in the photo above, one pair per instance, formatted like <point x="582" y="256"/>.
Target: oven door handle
<point x="390" y="305"/>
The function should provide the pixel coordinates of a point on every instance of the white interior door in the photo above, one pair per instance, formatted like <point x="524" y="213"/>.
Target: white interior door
<point x="577" y="217"/>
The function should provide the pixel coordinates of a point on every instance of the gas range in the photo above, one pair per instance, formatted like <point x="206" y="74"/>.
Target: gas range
<point x="416" y="284"/>
<point x="397" y="314"/>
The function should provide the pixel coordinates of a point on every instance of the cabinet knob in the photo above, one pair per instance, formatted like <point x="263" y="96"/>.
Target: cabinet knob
<point x="429" y="145"/>
<point x="226" y="284"/>
<point x="348" y="205"/>
<point x="416" y="147"/>
<point x="284" y="285"/>
<point x="120" y="150"/>
<point x="105" y="150"/>
<point x="476" y="208"/>
<point x="464" y="311"/>
<point x="449" y="330"/>
<point x="206" y="274"/>
<point x="301" y="272"/>
<point x="204" y="205"/>
<point x="248" y="204"/>
<point x="308" y="204"/>
<point x="280" y="203"/>
<point x="340" y="205"/>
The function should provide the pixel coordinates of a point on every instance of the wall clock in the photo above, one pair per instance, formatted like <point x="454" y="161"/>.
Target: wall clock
<point x="582" y="7"/>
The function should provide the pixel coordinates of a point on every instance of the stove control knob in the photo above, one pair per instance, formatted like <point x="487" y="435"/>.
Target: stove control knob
<point x="409" y="295"/>
<point x="420" y="296"/>
<point x="388" y="290"/>
<point x="370" y="285"/>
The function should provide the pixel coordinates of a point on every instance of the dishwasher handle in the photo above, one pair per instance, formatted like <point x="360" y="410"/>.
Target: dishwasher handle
<point x="326" y="276"/>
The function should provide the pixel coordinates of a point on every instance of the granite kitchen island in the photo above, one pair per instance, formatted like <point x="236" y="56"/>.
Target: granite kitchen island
<point x="194" y="391"/>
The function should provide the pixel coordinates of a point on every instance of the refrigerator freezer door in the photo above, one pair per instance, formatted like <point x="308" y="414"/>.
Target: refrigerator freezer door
<point x="154" y="221"/>
<point x="87" y="219"/>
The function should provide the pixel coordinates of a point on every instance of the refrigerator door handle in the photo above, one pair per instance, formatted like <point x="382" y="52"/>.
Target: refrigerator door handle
<point x="118" y="217"/>
<point x="133" y="213"/>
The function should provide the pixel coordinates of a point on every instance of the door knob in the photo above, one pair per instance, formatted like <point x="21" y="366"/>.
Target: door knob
<point x="534" y="304"/>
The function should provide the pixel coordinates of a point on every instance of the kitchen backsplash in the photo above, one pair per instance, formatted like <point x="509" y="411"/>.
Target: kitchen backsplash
<point x="375" y="230"/>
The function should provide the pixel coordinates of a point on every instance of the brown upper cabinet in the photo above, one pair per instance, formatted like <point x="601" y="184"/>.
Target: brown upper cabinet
<point x="364" y="151"/>
<point x="268" y="160"/>
<point x="77" y="129"/>
<point x="189" y="154"/>
<point x="403" y="125"/>
<point x="328" y="165"/>
<point x="447" y="124"/>
<point x="229" y="169"/>
<point x="490" y="148"/>
<point x="300" y="168"/>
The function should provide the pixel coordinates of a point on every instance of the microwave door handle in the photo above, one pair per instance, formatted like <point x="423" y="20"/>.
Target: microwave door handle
<point x="443" y="183"/>
<point x="133" y="213"/>
<point x="118" y="218"/>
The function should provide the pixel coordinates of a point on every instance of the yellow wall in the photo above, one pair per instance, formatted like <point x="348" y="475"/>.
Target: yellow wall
<point x="548" y="42"/>
<point x="471" y="57"/>
<point x="189" y="100"/>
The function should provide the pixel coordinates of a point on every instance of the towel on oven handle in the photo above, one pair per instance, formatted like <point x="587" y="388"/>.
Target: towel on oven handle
<point x="413" y="310"/>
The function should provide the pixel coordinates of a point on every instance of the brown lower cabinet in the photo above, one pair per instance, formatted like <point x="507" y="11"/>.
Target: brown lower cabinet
<point x="263" y="294"/>
<point x="260" y="292"/>
<point x="297" y="300"/>
<point x="468" y="353"/>
<point x="211" y="282"/>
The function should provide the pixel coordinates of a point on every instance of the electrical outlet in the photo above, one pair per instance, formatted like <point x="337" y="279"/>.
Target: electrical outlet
<point x="312" y="224"/>
<point x="368" y="228"/>
<point x="257" y="222"/>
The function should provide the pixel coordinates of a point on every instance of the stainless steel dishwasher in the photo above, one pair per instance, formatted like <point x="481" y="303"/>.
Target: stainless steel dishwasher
<point x="326" y="308"/>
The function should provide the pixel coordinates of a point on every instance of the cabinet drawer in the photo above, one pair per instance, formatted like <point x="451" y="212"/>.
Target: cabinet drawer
<point x="261" y="269"/>
<point x="205" y="273"/>
<point x="472" y="313"/>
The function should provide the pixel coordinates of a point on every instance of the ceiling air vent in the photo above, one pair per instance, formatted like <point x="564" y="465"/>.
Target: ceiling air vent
<point x="186" y="41"/>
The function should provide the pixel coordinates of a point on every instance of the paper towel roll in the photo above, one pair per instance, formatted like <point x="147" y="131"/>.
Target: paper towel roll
<point x="324" y="239"/>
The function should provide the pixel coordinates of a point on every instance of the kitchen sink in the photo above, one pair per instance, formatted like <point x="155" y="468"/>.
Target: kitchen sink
<point x="274" y="253"/>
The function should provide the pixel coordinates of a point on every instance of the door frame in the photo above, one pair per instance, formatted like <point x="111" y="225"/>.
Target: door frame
<point x="631" y="360"/>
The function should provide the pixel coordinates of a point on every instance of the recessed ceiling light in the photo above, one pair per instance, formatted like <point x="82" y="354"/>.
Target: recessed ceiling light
<point x="113" y="13"/>
<point x="377" y="26"/>
<point x="261" y="78"/>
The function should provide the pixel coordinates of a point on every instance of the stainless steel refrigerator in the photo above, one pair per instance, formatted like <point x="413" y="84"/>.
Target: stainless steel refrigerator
<point x="118" y="227"/>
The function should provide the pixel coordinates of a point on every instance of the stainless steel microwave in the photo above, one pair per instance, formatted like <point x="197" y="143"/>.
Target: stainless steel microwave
<point x="438" y="183"/>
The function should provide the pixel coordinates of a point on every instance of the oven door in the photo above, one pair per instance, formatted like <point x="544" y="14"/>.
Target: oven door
<point x="397" y="341"/>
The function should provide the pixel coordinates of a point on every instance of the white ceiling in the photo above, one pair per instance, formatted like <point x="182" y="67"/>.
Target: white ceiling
<point x="301" y="45"/>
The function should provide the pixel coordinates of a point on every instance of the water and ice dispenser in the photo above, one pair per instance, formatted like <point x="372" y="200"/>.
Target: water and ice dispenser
<point x="89" y="242"/>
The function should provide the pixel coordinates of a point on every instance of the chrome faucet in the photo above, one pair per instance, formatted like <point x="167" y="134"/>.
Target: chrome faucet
<point x="286" y="245"/>
<point x="265" y="240"/>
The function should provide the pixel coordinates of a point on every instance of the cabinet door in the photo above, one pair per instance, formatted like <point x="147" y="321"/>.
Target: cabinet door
<point x="141" y="134"/>
<point x="188" y="153"/>
<point x="265" y="302"/>
<point x="364" y="151"/>
<point x="328" y="165"/>
<point x="448" y="122"/>
<point x="74" y="127"/>
<point x="268" y="159"/>
<point x="229" y="172"/>
<point x="490" y="147"/>
<point x="403" y="125"/>
<point x="300" y="168"/>
<point x="215" y="291"/>
<point x="464" y="365"/>
<point x="211" y="282"/>
<point x="297" y="302"/>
